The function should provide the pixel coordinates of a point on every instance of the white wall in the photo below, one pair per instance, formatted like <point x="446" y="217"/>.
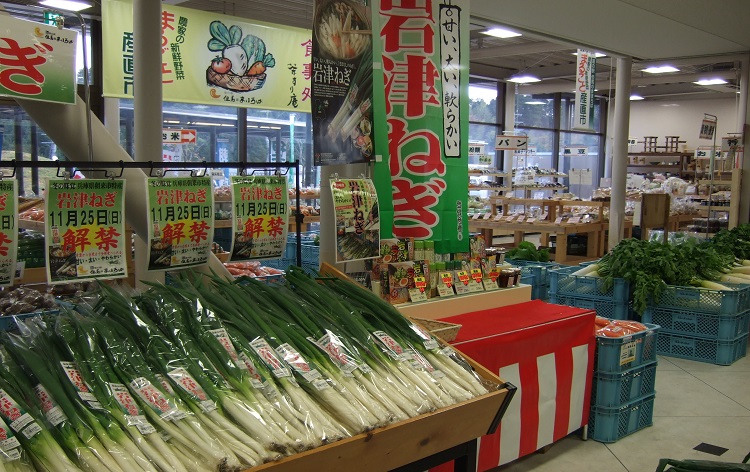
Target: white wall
<point x="681" y="118"/>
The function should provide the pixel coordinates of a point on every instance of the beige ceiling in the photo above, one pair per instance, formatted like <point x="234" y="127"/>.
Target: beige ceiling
<point x="704" y="38"/>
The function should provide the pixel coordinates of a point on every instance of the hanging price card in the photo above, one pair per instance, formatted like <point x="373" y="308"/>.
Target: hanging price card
<point x="180" y="222"/>
<point x="8" y="230"/>
<point x="531" y="220"/>
<point x="558" y="220"/>
<point x="510" y="218"/>
<point x="85" y="230"/>
<point x="498" y="217"/>
<point x="260" y="205"/>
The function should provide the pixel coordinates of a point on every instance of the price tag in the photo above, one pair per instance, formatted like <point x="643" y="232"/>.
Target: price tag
<point x="558" y="220"/>
<point x="476" y="285"/>
<point x="574" y="219"/>
<point x="447" y="279"/>
<point x="490" y="284"/>
<point x="544" y="216"/>
<point x="531" y="220"/>
<point x="462" y="289"/>
<point x="476" y="274"/>
<point x="417" y="295"/>
<point x="463" y="277"/>
<point x="445" y="291"/>
<point x="476" y="216"/>
<point x="486" y="216"/>
<point x="628" y="352"/>
<point x="510" y="218"/>
<point x="521" y="219"/>
<point x="498" y="217"/>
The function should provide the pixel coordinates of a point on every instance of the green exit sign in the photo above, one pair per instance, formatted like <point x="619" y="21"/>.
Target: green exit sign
<point x="50" y="18"/>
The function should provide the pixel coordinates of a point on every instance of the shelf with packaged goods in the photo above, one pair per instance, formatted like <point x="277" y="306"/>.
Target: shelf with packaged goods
<point x="489" y="189"/>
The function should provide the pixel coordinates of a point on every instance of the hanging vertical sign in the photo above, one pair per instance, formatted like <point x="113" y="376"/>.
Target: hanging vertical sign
<point x="585" y="85"/>
<point x="261" y="216"/>
<point x="8" y="230"/>
<point x="421" y="169"/>
<point x="708" y="127"/>
<point x="85" y="230"/>
<point x="180" y="221"/>
<point x="342" y="82"/>
<point x="355" y="202"/>
<point x="37" y="61"/>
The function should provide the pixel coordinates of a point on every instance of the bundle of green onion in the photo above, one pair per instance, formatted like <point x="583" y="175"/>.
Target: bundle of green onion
<point x="208" y="374"/>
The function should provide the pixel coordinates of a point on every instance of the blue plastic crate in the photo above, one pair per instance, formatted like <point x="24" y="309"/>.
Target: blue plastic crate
<point x="538" y="290"/>
<point x="620" y="388"/>
<point x="615" y="355"/>
<point x="699" y="299"/>
<point x="281" y="264"/>
<point x="617" y="310"/>
<point x="706" y="325"/>
<point x="8" y="323"/>
<point x="306" y="237"/>
<point x="712" y="351"/>
<point x="311" y="254"/>
<point x="540" y="269"/>
<point x="563" y="283"/>
<point x="609" y="425"/>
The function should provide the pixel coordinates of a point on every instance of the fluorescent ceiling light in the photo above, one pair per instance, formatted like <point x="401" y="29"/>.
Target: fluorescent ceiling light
<point x="596" y="54"/>
<point x="661" y="69"/>
<point x="536" y="102"/>
<point x="711" y="82"/>
<point x="635" y="97"/>
<point x="524" y="79"/>
<point x="501" y="33"/>
<point x="70" y="5"/>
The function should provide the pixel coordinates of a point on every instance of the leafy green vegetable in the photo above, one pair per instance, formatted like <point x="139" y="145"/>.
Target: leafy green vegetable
<point x="527" y="251"/>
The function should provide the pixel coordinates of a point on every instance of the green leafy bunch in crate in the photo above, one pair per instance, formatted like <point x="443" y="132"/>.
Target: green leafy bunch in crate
<point x="651" y="266"/>
<point x="527" y="251"/>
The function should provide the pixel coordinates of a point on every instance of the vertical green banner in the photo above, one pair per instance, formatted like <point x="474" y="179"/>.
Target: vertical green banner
<point x="85" y="230"/>
<point x="585" y="86"/>
<point x="421" y="132"/>
<point x="260" y="205"/>
<point x="355" y="202"/>
<point x="37" y="61"/>
<point x="8" y="230"/>
<point x="180" y="222"/>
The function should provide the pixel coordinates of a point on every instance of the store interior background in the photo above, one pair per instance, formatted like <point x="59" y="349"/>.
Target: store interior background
<point x="703" y="41"/>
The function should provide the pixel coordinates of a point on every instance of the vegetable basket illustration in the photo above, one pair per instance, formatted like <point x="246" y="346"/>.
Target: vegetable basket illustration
<point x="242" y="63"/>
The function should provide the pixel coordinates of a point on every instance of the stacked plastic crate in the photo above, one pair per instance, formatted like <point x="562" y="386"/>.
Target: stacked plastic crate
<point x="566" y="288"/>
<point x="535" y="274"/>
<point x="622" y="392"/>
<point x="702" y="324"/>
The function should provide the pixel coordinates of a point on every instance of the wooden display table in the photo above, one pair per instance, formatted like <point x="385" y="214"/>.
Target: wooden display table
<point x="562" y="231"/>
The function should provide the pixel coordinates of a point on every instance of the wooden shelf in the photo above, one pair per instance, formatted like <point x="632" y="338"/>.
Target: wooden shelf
<point x="490" y="189"/>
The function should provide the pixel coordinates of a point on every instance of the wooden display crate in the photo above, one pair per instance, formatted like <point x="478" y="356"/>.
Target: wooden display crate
<point x="411" y="440"/>
<point x="408" y="441"/>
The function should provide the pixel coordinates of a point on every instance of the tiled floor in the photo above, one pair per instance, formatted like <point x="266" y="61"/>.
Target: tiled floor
<point x="695" y="403"/>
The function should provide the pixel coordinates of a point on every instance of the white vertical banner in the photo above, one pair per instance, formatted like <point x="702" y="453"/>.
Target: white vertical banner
<point x="450" y="66"/>
<point x="585" y="85"/>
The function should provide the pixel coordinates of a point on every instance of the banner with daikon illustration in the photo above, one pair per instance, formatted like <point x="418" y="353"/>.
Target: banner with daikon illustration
<point x="85" y="230"/>
<point x="355" y="203"/>
<point x="213" y="59"/>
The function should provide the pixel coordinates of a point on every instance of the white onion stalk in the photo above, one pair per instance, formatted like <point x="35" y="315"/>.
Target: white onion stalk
<point x="458" y="373"/>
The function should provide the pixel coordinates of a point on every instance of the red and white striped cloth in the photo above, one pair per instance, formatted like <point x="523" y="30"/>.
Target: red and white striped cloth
<point x="550" y="362"/>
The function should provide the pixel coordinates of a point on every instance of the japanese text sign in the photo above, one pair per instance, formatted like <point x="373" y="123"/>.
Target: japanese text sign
<point x="357" y="219"/>
<point x="708" y="128"/>
<point x="178" y="136"/>
<point x="180" y="222"/>
<point x="260" y="206"/>
<point x="8" y="230"/>
<point x="85" y="230"/>
<point x="511" y="143"/>
<point x="422" y="120"/>
<point x="342" y="82"/>
<point x="37" y="61"/>
<point x="570" y="151"/>
<point x="213" y="59"/>
<point x="585" y="85"/>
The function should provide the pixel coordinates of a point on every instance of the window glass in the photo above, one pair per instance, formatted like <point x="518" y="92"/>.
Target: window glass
<point x="587" y="164"/>
<point x="484" y="134"/>
<point x="535" y="110"/>
<point x="483" y="103"/>
<point x="539" y="153"/>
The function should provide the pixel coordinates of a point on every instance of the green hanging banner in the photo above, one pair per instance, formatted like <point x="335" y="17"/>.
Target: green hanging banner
<point x="421" y="132"/>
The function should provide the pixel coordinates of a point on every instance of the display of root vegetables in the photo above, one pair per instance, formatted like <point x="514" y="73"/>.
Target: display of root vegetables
<point x="208" y="374"/>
